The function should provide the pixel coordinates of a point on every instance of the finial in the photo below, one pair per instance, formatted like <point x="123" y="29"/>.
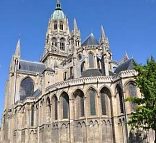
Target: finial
<point x="103" y="35"/>
<point x="126" y="57"/>
<point x="58" y="5"/>
<point x="91" y="34"/>
<point x="75" y="25"/>
<point x="18" y="48"/>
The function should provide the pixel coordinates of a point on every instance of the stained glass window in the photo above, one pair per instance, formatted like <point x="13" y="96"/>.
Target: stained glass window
<point x="132" y="92"/>
<point x="55" y="107"/>
<point x="26" y="88"/>
<point x="32" y="115"/>
<point x="92" y="99"/>
<point x="120" y="97"/>
<point x="65" y="104"/>
<point x="105" y="101"/>
<point x="79" y="98"/>
<point x="91" y="60"/>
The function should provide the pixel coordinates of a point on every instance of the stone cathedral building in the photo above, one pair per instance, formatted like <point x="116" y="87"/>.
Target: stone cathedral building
<point x="74" y="94"/>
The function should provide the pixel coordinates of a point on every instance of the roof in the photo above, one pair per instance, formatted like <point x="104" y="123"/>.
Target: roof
<point x="128" y="65"/>
<point x="31" y="66"/>
<point x="58" y="14"/>
<point x="90" y="41"/>
<point x="37" y="93"/>
<point x="91" y="73"/>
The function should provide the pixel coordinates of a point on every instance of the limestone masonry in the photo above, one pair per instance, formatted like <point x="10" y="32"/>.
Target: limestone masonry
<point x="74" y="94"/>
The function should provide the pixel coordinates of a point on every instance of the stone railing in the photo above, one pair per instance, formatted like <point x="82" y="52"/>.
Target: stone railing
<point x="79" y="81"/>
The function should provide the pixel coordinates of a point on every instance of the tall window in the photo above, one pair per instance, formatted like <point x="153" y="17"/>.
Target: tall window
<point x="54" y="42"/>
<point x="32" y="115"/>
<point x="82" y="66"/>
<point x="55" y="108"/>
<point x="98" y="63"/>
<point x="48" y="109"/>
<point x="105" y="101"/>
<point x="92" y="101"/>
<point x="120" y="98"/>
<point x="65" y="76"/>
<point x="62" y="44"/>
<point x="26" y="88"/>
<point x="61" y="25"/>
<point x="71" y="72"/>
<point x="55" y="25"/>
<point x="132" y="91"/>
<point x="79" y="103"/>
<point x="65" y="105"/>
<point x="91" y="60"/>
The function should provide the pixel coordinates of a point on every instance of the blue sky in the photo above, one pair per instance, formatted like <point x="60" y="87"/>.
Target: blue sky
<point x="129" y="24"/>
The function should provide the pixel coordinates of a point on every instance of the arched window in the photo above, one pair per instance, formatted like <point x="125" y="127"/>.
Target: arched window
<point x="54" y="42"/>
<point x="91" y="60"/>
<point x="82" y="66"/>
<point x="119" y="95"/>
<point x="65" y="105"/>
<point x="65" y="76"/>
<point x="92" y="101"/>
<point x="26" y="88"/>
<point x="105" y="101"/>
<point x="32" y="115"/>
<point x="61" y="25"/>
<point x="48" y="109"/>
<point x="79" y="103"/>
<point x="98" y="63"/>
<point x="55" y="25"/>
<point x="55" y="107"/>
<point x="62" y="44"/>
<point x="132" y="92"/>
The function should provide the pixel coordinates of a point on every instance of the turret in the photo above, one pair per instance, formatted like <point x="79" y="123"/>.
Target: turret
<point x="106" y="53"/>
<point x="14" y="65"/>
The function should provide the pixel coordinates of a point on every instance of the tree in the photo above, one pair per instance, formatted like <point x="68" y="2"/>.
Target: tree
<point x="144" y="116"/>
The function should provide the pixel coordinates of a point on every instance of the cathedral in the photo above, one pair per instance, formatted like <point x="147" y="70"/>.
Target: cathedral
<point x="75" y="94"/>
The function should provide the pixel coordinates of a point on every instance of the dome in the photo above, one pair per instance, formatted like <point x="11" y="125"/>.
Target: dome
<point x="58" y="14"/>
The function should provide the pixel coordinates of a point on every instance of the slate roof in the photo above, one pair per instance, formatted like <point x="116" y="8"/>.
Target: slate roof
<point x="90" y="41"/>
<point x="29" y="66"/>
<point x="128" y="65"/>
<point x="91" y="73"/>
<point x="37" y="93"/>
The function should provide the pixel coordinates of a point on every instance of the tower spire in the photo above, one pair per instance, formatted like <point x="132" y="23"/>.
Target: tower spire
<point x="75" y="25"/>
<point x="18" y="48"/>
<point x="103" y="35"/>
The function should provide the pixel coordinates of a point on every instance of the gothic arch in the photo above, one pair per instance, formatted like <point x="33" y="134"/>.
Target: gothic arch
<point x="120" y="101"/>
<point x="26" y="87"/>
<point x="55" y="107"/>
<point x="91" y="60"/>
<point x="54" y="41"/>
<point x="90" y="87"/>
<point x="92" y="101"/>
<point x="62" y="43"/>
<point x="79" y="109"/>
<point x="48" y="109"/>
<point x="105" y="98"/>
<point x="64" y="99"/>
<point x="131" y="91"/>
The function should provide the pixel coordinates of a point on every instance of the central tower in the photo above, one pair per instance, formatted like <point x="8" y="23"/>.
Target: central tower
<point x="57" y="43"/>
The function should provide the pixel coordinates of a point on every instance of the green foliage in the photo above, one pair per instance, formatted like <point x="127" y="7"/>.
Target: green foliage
<point x="145" y="113"/>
